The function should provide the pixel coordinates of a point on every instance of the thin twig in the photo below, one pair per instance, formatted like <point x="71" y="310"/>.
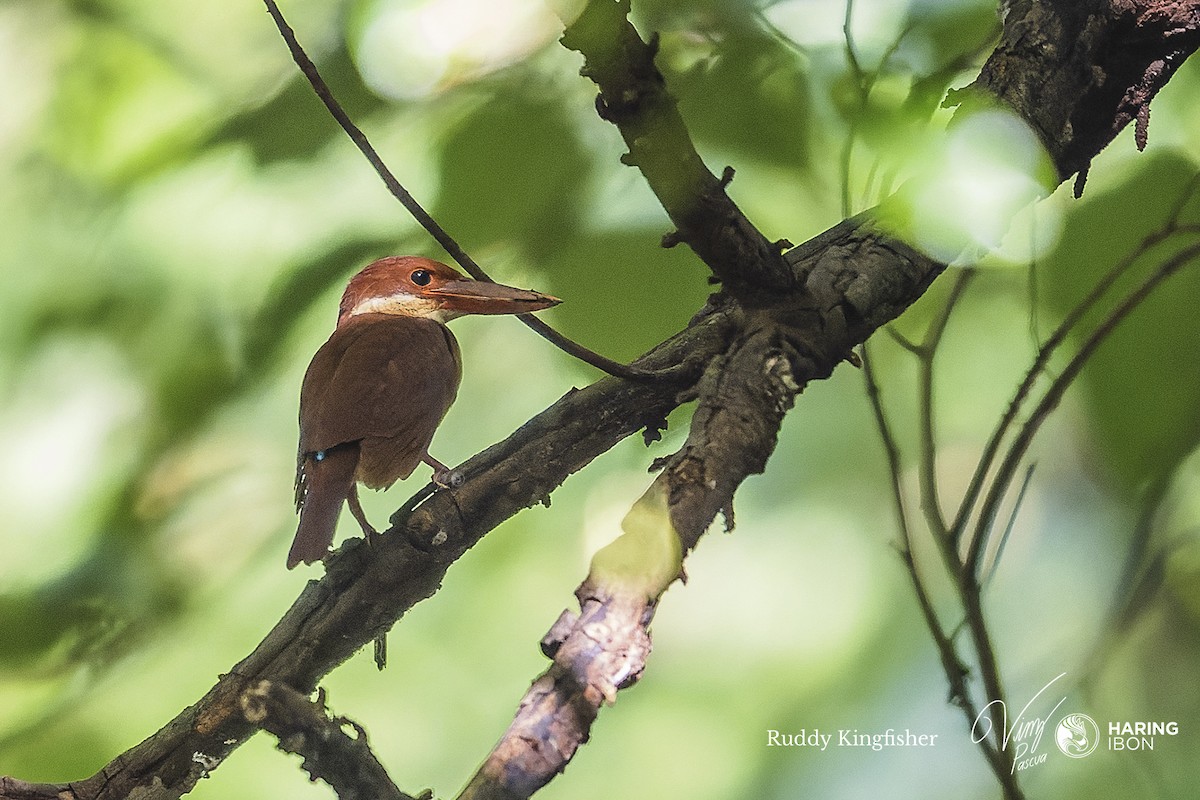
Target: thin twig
<point x="864" y="82"/>
<point x="902" y="340"/>
<point x="998" y="757"/>
<point x="1140" y="575"/>
<point x="1008" y="529"/>
<point x="864" y="92"/>
<point x="860" y="76"/>
<point x="423" y="217"/>
<point x="956" y="672"/>
<point x="1101" y="288"/>
<point x="1035" y="336"/>
<point x="891" y="449"/>
<point x="778" y="33"/>
<point x="1053" y="396"/>
<point x="989" y="671"/>
<point x="927" y="352"/>
<point x="1136" y="558"/>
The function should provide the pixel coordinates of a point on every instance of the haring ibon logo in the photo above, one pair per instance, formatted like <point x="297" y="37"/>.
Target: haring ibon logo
<point x="1077" y="735"/>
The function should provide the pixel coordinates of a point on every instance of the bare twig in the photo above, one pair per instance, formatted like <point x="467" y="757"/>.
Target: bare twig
<point x="890" y="448"/>
<point x="864" y="82"/>
<point x="1060" y="334"/>
<point x="997" y="756"/>
<point x="860" y="77"/>
<point x="1050" y="400"/>
<point x="1141" y="574"/>
<point x="1008" y="529"/>
<point x="952" y="665"/>
<point x="422" y="216"/>
<point x="989" y="671"/>
<point x="926" y="353"/>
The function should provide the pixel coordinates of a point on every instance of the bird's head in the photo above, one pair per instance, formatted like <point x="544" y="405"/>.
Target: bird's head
<point x="412" y="286"/>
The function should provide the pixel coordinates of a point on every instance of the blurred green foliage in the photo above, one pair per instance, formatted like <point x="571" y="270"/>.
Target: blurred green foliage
<point x="179" y="215"/>
<point x="1147" y="360"/>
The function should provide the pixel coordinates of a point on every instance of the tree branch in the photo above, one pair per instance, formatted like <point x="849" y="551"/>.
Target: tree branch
<point x="594" y="654"/>
<point x="303" y="727"/>
<point x="633" y="96"/>
<point x="1079" y="71"/>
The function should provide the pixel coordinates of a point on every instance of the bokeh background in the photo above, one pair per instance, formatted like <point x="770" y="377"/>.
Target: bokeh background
<point x="178" y="216"/>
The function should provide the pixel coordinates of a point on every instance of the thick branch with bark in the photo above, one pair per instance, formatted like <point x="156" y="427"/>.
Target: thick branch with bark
<point x="1079" y="71"/>
<point x="783" y="322"/>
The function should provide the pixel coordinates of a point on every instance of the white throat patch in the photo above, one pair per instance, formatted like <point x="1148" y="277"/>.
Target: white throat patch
<point x="402" y="304"/>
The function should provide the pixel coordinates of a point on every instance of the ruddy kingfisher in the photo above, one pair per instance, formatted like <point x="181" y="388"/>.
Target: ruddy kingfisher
<point x="377" y="390"/>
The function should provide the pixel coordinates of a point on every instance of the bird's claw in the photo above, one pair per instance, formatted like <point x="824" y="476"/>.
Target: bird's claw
<point x="448" y="478"/>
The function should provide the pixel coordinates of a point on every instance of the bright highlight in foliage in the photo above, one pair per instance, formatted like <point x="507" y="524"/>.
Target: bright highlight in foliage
<point x="410" y="50"/>
<point x="972" y="184"/>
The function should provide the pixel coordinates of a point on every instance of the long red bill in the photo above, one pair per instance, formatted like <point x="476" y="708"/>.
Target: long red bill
<point x="481" y="297"/>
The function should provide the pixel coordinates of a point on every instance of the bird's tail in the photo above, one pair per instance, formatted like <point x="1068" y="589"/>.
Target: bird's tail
<point x="323" y="481"/>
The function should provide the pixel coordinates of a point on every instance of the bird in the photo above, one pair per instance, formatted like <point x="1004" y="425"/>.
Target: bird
<point x="376" y="391"/>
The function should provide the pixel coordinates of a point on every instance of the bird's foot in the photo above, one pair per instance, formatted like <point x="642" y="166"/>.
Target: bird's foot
<point x="443" y="476"/>
<point x="448" y="478"/>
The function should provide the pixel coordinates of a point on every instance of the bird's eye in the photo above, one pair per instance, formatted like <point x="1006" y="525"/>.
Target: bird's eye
<point x="420" y="277"/>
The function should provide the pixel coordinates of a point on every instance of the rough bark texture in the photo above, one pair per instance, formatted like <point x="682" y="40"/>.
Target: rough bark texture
<point x="634" y="97"/>
<point x="1077" y="72"/>
<point x="594" y="654"/>
<point x="304" y="727"/>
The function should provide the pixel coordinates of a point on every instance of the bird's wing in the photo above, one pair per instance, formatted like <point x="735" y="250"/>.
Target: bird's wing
<point x="379" y="377"/>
